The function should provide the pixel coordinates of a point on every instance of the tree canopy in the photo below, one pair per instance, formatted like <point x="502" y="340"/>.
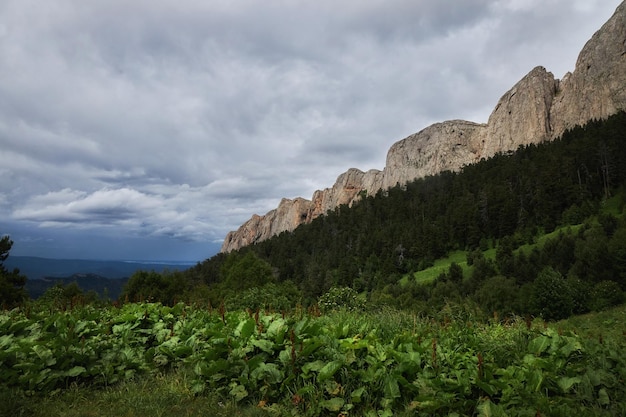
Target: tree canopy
<point x="11" y="282"/>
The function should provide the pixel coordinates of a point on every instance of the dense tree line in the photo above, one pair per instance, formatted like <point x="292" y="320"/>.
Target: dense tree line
<point x="503" y="202"/>
<point x="579" y="270"/>
<point x="12" y="283"/>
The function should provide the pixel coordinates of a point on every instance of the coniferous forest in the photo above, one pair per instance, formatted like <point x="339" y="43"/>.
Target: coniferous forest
<point x="544" y="221"/>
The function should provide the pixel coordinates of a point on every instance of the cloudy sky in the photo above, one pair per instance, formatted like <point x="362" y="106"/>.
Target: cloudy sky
<point x="149" y="129"/>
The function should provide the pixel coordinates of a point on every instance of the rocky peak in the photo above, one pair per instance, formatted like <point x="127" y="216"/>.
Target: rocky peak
<point x="597" y="87"/>
<point x="535" y="109"/>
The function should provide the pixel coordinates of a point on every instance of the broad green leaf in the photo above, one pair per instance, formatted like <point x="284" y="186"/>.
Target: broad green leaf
<point x="264" y="345"/>
<point x="256" y="361"/>
<point x="245" y="329"/>
<point x="535" y="379"/>
<point x="311" y="346"/>
<point x="572" y="345"/>
<point x="308" y="328"/>
<point x="75" y="371"/>
<point x="329" y="370"/>
<point x="6" y="340"/>
<point x="238" y="392"/>
<point x="307" y="389"/>
<point x="267" y="372"/>
<point x="487" y="388"/>
<point x="284" y="357"/>
<point x="197" y="387"/>
<point x="357" y="395"/>
<point x="353" y="343"/>
<point x="385" y="413"/>
<point x="182" y="351"/>
<point x="45" y="355"/>
<point x="566" y="383"/>
<point x="276" y="330"/>
<point x="489" y="409"/>
<point x="603" y="397"/>
<point x="334" y="404"/>
<point x="214" y="367"/>
<point x="314" y="366"/>
<point x="79" y="327"/>
<point x="391" y="388"/>
<point x="539" y="344"/>
<point x="598" y="376"/>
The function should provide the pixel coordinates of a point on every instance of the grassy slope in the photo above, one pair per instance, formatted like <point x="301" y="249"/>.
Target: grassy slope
<point x="460" y="258"/>
<point x="611" y="206"/>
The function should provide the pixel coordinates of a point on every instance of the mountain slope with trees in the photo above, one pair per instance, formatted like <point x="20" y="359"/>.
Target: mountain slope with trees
<point x="500" y="203"/>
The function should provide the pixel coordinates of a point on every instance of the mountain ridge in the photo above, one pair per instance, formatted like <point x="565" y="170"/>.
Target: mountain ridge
<point x="537" y="108"/>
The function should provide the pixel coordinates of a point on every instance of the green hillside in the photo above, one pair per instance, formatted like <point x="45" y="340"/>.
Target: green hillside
<point x="543" y="226"/>
<point x="554" y="210"/>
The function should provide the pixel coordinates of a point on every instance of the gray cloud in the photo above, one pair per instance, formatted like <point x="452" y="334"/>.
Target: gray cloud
<point x="172" y="122"/>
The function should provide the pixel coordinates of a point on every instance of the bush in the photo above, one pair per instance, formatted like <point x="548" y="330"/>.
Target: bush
<point x="271" y="296"/>
<point x="580" y="295"/>
<point x="605" y="294"/>
<point x="551" y="296"/>
<point x="498" y="294"/>
<point x="338" y="298"/>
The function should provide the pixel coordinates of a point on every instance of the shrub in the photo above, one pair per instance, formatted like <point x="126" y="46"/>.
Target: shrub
<point x="498" y="294"/>
<point x="277" y="297"/>
<point x="338" y="298"/>
<point x="605" y="294"/>
<point x="551" y="297"/>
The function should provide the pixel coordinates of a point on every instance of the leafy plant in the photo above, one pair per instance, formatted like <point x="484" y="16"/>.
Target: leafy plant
<point x="349" y="363"/>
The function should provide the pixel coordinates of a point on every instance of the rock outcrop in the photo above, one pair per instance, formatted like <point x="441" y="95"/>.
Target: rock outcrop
<point x="537" y="108"/>
<point x="597" y="87"/>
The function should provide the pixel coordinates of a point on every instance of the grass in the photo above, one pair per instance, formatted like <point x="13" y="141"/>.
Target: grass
<point x="442" y="265"/>
<point x="156" y="395"/>
<point x="608" y="324"/>
<point x="614" y="205"/>
<point x="459" y="257"/>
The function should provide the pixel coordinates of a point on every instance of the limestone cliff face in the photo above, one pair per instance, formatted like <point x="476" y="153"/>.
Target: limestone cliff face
<point x="292" y="213"/>
<point x="597" y="87"/>
<point x="289" y="215"/>
<point x="521" y="117"/>
<point x="346" y="190"/>
<point x="439" y="147"/>
<point x="536" y="109"/>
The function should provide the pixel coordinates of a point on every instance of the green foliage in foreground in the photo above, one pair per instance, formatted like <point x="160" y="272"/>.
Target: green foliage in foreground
<point x="383" y="363"/>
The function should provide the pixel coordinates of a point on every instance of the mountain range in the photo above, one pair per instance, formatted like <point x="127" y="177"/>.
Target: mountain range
<point x="40" y="268"/>
<point x="104" y="277"/>
<point x="538" y="108"/>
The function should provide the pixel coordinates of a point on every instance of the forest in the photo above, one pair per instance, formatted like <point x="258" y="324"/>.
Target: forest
<point x="542" y="226"/>
<point x="540" y="231"/>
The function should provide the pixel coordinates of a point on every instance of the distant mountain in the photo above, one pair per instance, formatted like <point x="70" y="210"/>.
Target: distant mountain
<point x="106" y="278"/>
<point x="38" y="268"/>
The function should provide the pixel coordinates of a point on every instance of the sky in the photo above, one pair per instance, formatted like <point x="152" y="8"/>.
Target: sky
<point x="148" y="129"/>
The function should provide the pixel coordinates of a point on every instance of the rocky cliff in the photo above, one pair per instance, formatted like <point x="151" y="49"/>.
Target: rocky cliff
<point x="537" y="108"/>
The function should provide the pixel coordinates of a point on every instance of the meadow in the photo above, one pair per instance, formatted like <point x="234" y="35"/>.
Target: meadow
<point x="146" y="359"/>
